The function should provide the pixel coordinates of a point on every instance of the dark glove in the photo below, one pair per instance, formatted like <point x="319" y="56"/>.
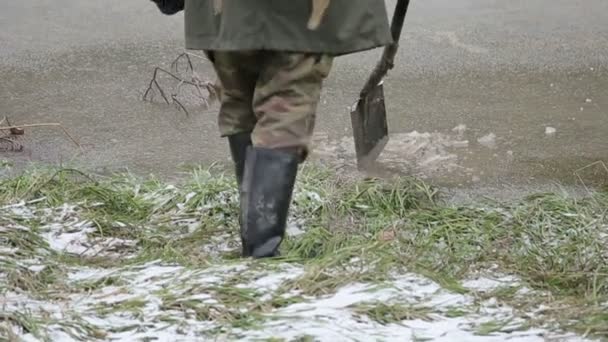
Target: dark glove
<point x="169" y="7"/>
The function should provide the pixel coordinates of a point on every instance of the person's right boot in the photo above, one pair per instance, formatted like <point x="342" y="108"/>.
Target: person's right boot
<point x="268" y="183"/>
<point x="239" y="143"/>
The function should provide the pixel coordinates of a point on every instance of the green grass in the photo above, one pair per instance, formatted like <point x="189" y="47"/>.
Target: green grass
<point x="355" y="231"/>
<point x="393" y="313"/>
<point x="133" y="306"/>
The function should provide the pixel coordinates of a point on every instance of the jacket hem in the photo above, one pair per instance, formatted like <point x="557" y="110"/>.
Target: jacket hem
<point x="205" y="43"/>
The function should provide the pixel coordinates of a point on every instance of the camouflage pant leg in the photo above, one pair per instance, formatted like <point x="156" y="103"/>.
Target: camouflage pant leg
<point x="286" y="97"/>
<point x="280" y="107"/>
<point x="237" y="84"/>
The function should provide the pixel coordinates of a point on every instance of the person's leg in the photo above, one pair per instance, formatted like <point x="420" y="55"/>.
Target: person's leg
<point x="285" y="101"/>
<point x="236" y="118"/>
<point x="286" y="98"/>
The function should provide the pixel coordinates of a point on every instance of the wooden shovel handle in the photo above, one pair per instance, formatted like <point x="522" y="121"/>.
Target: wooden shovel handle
<point x="387" y="61"/>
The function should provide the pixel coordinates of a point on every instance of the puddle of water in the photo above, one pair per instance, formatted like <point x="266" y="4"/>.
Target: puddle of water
<point x="421" y="154"/>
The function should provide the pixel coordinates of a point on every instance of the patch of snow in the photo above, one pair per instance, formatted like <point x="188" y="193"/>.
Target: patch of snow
<point x="331" y="318"/>
<point x="189" y="196"/>
<point x="89" y="274"/>
<point x="19" y="210"/>
<point x="220" y="243"/>
<point x="460" y="144"/>
<point x="8" y="250"/>
<point x="293" y="229"/>
<point x="272" y="281"/>
<point x="71" y="242"/>
<point x="311" y="196"/>
<point x="488" y="283"/>
<point x="460" y="129"/>
<point x="326" y="318"/>
<point x="488" y="140"/>
<point x="36" y="268"/>
<point x="550" y="130"/>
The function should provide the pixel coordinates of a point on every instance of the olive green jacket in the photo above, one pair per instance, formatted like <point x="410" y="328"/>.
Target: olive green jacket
<point x="347" y="26"/>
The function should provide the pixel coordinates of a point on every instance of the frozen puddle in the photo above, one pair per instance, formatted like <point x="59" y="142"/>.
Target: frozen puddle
<point x="156" y="302"/>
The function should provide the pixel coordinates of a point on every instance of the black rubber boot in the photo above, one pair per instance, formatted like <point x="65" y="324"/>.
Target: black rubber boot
<point x="265" y="198"/>
<point x="238" y="149"/>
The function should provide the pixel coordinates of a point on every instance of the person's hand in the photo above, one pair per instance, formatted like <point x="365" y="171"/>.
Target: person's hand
<point x="169" y="7"/>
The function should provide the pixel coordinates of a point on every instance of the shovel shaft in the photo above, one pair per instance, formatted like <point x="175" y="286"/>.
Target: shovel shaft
<point x="388" y="55"/>
<point x="398" y="19"/>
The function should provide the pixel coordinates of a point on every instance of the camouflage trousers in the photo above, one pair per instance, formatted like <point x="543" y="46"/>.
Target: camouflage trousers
<point x="272" y="94"/>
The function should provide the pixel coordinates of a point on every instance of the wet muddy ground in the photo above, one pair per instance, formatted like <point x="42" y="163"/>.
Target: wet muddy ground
<point x="485" y="95"/>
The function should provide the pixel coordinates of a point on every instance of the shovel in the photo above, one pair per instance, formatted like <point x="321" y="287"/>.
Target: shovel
<point x="368" y="115"/>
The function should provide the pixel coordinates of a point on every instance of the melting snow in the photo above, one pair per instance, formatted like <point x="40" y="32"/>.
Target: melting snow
<point x="423" y="153"/>
<point x="485" y="283"/>
<point x="488" y="140"/>
<point x="159" y="290"/>
<point x="330" y="319"/>
<point x="550" y="130"/>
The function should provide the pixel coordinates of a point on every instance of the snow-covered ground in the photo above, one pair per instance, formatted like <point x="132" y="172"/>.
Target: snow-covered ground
<point x="159" y="301"/>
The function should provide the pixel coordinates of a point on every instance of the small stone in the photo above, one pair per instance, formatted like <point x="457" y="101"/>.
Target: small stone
<point x="588" y="100"/>
<point x="550" y="130"/>
<point x="387" y="235"/>
<point x="17" y="131"/>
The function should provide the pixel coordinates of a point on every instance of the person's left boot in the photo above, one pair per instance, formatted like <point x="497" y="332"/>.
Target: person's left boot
<point x="268" y="184"/>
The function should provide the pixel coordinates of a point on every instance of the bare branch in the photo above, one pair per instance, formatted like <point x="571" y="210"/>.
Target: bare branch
<point x="175" y="63"/>
<point x="194" y="80"/>
<point x="52" y="124"/>
<point x="174" y="98"/>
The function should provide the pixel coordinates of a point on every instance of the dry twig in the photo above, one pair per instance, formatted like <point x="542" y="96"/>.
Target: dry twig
<point x="20" y="130"/>
<point x="194" y="80"/>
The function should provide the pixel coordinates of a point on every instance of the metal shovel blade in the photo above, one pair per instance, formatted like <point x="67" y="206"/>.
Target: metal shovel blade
<point x="368" y="117"/>
<point x="370" y="128"/>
